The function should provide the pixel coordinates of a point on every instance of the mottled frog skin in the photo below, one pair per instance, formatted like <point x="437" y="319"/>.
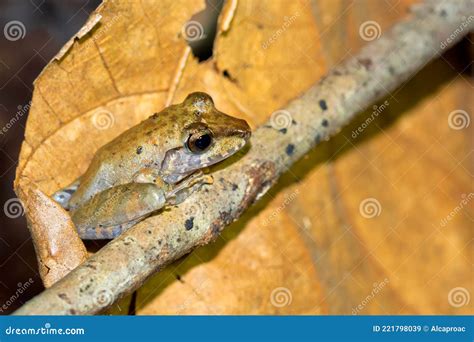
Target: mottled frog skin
<point x="153" y="164"/>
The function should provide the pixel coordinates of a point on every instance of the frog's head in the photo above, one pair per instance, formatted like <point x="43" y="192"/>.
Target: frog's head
<point x="208" y="136"/>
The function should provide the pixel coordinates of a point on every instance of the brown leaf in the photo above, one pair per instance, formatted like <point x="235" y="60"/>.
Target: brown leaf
<point x="56" y="150"/>
<point x="58" y="247"/>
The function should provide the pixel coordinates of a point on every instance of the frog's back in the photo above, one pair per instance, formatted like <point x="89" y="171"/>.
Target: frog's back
<point x="142" y="146"/>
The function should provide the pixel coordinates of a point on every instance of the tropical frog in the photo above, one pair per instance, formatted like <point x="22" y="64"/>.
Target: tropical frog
<point x="156" y="163"/>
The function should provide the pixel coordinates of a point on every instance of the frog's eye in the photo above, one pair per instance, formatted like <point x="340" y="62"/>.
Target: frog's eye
<point x="199" y="142"/>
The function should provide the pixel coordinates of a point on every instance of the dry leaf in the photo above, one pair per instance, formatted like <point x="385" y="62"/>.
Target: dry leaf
<point x="58" y="247"/>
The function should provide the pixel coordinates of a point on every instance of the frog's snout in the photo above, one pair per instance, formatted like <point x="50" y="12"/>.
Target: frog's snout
<point x="245" y="134"/>
<point x="234" y="127"/>
<point x="242" y="129"/>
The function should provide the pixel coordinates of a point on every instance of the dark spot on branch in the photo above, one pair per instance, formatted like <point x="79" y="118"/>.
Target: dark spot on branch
<point x="189" y="223"/>
<point x="290" y="148"/>
<point x="178" y="278"/>
<point x="366" y="63"/>
<point x="234" y="186"/>
<point x="391" y="70"/>
<point x="317" y="139"/>
<point x="283" y="130"/>
<point x="443" y="13"/>
<point x="64" y="297"/>
<point x="139" y="149"/>
<point x="225" y="218"/>
<point x="293" y="122"/>
<point x="323" y="105"/>
<point x="325" y="123"/>
<point x="91" y="266"/>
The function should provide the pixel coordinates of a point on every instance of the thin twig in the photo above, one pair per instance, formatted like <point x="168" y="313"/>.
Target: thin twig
<point x="382" y="65"/>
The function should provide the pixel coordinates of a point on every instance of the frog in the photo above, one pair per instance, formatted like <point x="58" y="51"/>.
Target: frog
<point x="156" y="164"/>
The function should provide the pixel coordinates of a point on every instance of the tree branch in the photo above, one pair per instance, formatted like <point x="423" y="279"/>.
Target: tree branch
<point x="382" y="65"/>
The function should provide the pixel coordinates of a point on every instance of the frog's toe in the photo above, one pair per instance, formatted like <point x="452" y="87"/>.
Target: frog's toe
<point x="63" y="196"/>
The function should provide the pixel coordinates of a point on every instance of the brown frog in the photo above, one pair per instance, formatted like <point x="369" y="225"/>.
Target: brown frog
<point x="156" y="163"/>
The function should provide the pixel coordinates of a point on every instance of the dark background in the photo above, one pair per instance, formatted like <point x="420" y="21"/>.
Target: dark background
<point x="49" y="24"/>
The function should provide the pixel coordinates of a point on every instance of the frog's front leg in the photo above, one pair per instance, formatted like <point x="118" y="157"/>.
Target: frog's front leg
<point x="112" y="211"/>
<point x="147" y="175"/>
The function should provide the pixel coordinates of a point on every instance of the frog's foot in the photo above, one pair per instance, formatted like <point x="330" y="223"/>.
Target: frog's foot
<point x="186" y="187"/>
<point x="63" y="196"/>
<point x="106" y="233"/>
